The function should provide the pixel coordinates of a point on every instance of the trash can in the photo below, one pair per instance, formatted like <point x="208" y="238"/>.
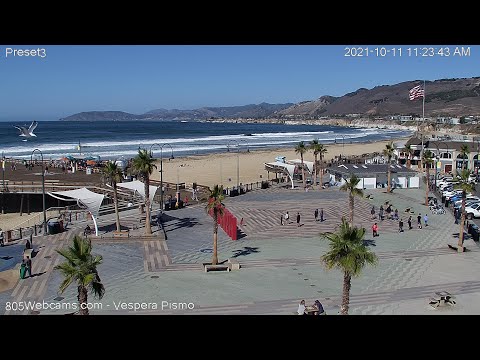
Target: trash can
<point x="53" y="227"/>
<point x="23" y="270"/>
<point x="446" y="203"/>
<point x="443" y="199"/>
<point x="475" y="232"/>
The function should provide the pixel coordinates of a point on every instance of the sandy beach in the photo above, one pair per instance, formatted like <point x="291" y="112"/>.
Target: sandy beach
<point x="222" y="168"/>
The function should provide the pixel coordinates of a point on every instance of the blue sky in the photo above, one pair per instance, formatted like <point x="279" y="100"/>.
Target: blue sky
<point x="137" y="79"/>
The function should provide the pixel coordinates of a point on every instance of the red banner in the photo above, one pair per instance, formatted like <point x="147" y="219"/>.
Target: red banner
<point x="228" y="222"/>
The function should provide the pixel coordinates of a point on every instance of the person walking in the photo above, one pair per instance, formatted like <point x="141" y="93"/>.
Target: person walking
<point x="419" y="221"/>
<point x="395" y="216"/>
<point x="321" y="215"/>
<point x="375" y="229"/>
<point x="29" y="266"/>
<point x="373" y="212"/>
<point x="380" y="213"/>
<point x="409" y="221"/>
<point x="298" y="219"/>
<point x="316" y="214"/>
<point x="425" y="219"/>
<point x="1" y="238"/>
<point x="287" y="217"/>
<point x="400" y="225"/>
<point x="281" y="219"/>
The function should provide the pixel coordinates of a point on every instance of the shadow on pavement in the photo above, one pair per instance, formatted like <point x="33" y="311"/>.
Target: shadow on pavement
<point x="245" y="251"/>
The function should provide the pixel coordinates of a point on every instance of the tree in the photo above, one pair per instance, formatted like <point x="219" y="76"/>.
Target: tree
<point x="464" y="151"/>
<point x="81" y="268"/>
<point x="215" y="205"/>
<point x="351" y="186"/>
<point x="427" y="160"/>
<point x="318" y="149"/>
<point x="143" y="165"/>
<point x="348" y="253"/>
<point x="388" y="152"/>
<point x="409" y="151"/>
<point x="113" y="175"/>
<point x="464" y="185"/>
<point x="301" y="149"/>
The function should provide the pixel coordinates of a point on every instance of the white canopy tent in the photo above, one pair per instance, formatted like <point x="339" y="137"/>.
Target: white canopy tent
<point x="280" y="167"/>
<point x="91" y="200"/>
<point x="308" y="164"/>
<point x="139" y="187"/>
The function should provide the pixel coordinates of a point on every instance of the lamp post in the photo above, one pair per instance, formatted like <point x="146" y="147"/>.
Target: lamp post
<point x="238" y="159"/>
<point x="3" y="180"/>
<point x="43" y="190"/>
<point x="161" y="168"/>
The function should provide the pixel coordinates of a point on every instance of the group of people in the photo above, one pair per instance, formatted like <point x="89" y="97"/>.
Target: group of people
<point x="396" y="217"/>
<point x="285" y="218"/>
<point x="317" y="307"/>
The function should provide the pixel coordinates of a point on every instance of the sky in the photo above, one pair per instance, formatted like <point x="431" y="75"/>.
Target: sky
<point x="66" y="80"/>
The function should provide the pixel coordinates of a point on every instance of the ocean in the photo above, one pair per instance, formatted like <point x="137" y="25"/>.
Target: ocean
<point x="113" y="140"/>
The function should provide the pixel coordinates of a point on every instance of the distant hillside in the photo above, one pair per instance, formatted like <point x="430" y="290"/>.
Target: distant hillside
<point x="246" y="111"/>
<point x="443" y="97"/>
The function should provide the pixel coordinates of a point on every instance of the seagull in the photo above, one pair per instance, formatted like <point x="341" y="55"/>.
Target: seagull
<point x="28" y="133"/>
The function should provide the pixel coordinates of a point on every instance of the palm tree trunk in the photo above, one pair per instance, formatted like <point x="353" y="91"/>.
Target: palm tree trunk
<point x="115" y="200"/>
<point x="346" y="293"/>
<point x="315" y="172"/>
<point x="428" y="183"/>
<point x="148" y="228"/>
<point x="215" y="238"/>
<point x="83" y="300"/>
<point x="321" y="170"/>
<point x="388" y="179"/>
<point x="462" y="223"/>
<point x="303" y="172"/>
<point x="351" y="202"/>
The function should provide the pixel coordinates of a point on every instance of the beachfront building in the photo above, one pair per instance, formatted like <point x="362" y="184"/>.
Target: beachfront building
<point x="373" y="176"/>
<point x="448" y="154"/>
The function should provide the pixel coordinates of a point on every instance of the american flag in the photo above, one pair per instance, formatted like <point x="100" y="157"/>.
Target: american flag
<point x="416" y="92"/>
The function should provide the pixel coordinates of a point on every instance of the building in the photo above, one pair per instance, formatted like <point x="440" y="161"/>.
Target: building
<point x="374" y="176"/>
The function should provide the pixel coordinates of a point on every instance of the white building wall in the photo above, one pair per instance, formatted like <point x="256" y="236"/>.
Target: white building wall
<point x="369" y="183"/>
<point x="414" y="182"/>
<point x="402" y="182"/>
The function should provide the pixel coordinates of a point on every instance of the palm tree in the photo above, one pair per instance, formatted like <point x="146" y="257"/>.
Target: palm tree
<point x="81" y="268"/>
<point x="318" y="149"/>
<point x="301" y="149"/>
<point x="215" y="205"/>
<point x="388" y="152"/>
<point x="143" y="165"/>
<point x="349" y="254"/>
<point x="427" y="160"/>
<point x="464" y="151"/>
<point x="314" y="146"/>
<point x="465" y="186"/>
<point x="408" y="149"/>
<point x="351" y="186"/>
<point x="113" y="175"/>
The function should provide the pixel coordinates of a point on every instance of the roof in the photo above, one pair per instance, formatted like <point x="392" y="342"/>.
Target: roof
<point x="308" y="164"/>
<point x="370" y="169"/>
<point x="444" y="144"/>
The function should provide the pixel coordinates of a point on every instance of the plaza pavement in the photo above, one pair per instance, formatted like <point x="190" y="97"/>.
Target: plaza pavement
<point x="280" y="264"/>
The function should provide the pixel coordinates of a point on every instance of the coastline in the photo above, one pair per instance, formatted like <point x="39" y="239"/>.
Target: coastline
<point x="221" y="168"/>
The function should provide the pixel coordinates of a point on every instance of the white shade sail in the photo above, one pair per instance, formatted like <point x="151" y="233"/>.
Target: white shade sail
<point x="139" y="187"/>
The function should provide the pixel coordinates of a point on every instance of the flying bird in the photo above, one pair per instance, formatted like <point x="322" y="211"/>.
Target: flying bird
<point x="28" y="133"/>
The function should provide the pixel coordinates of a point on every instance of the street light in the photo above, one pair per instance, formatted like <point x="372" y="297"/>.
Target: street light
<point x="43" y="190"/>
<point x="161" y="168"/>
<point x="238" y="159"/>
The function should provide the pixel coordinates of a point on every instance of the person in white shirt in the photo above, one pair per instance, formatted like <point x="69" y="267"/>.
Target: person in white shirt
<point x="301" y="308"/>
<point x="287" y="217"/>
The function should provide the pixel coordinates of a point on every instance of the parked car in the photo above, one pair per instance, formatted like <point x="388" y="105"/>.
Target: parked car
<point x="473" y="211"/>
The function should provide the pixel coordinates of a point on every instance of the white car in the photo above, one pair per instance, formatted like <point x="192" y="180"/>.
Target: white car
<point x="447" y="184"/>
<point x="450" y="194"/>
<point x="444" y="180"/>
<point x="473" y="211"/>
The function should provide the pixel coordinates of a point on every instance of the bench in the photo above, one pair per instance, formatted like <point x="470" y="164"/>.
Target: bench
<point x="218" y="267"/>
<point x="121" y="233"/>
<point x="233" y="264"/>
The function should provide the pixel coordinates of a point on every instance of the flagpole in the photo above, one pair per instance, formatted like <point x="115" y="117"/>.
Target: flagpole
<point x="423" y="124"/>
